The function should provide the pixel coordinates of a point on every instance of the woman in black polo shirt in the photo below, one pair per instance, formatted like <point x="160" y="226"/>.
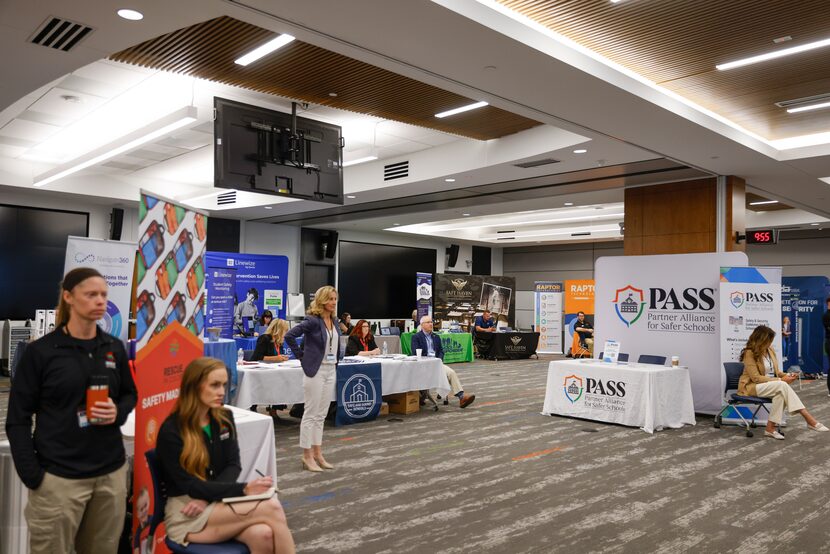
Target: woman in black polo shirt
<point x="74" y="467"/>
<point x="198" y="452"/>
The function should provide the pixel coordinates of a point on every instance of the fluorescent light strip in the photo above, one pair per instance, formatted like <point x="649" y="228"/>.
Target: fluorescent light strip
<point x="773" y="55"/>
<point x="462" y="109"/>
<point x="520" y="236"/>
<point x="360" y="161"/>
<point x="808" y="108"/>
<point x="529" y="222"/>
<point x="759" y="203"/>
<point x="262" y="51"/>
<point x="156" y="129"/>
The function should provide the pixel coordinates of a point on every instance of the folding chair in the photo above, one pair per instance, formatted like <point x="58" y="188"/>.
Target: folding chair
<point x="160" y="500"/>
<point x="733" y="372"/>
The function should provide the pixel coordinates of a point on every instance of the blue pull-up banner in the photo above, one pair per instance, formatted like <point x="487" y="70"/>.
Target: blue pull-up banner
<point x="358" y="392"/>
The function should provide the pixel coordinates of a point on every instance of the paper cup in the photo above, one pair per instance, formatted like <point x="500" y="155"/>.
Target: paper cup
<point x="675" y="361"/>
<point x="418" y="352"/>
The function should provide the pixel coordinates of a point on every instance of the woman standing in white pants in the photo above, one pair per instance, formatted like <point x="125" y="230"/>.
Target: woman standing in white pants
<point x="318" y="356"/>
<point x="758" y="358"/>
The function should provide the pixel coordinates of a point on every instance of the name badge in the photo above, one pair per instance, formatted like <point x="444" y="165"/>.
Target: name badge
<point x="110" y="365"/>
<point x="225" y="436"/>
<point x="82" y="420"/>
<point x="330" y="358"/>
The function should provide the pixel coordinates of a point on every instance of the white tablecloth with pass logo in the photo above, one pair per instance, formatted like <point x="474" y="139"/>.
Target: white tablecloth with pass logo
<point x="650" y="397"/>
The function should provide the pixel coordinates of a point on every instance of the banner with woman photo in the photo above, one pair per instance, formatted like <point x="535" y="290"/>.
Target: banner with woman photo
<point x="170" y="316"/>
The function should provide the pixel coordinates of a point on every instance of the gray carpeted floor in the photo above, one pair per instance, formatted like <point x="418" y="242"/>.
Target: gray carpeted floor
<point x="500" y="477"/>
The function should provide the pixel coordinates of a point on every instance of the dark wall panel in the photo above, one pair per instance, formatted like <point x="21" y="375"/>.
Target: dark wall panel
<point x="378" y="281"/>
<point x="223" y="235"/>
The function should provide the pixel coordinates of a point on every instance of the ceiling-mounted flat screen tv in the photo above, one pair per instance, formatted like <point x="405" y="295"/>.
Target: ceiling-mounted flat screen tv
<point x="271" y="152"/>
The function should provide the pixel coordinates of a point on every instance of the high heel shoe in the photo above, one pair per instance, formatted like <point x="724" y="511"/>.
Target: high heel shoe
<point x="314" y="468"/>
<point x="324" y="464"/>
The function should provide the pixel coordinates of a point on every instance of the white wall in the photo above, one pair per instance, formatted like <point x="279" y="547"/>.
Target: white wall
<point x="799" y="253"/>
<point x="551" y="263"/>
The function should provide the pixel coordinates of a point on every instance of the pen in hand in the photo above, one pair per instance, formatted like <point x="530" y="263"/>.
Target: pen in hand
<point x="259" y="472"/>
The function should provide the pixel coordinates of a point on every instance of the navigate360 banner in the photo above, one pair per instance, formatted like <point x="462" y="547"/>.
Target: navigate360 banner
<point x="547" y="316"/>
<point x="668" y="306"/>
<point x="114" y="260"/>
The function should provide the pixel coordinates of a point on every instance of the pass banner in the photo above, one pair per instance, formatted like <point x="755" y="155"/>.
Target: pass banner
<point x="115" y="260"/>
<point x="547" y="316"/>
<point x="359" y="390"/>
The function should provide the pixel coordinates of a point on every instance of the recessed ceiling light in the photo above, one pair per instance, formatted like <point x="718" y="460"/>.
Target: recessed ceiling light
<point x="580" y="151"/>
<point x="465" y="215"/>
<point x="761" y="202"/>
<point x="268" y="207"/>
<point x="262" y="51"/>
<point x="333" y="94"/>
<point x="569" y="203"/>
<point x="360" y="161"/>
<point x="809" y="108"/>
<point x="396" y="224"/>
<point x="779" y="40"/>
<point x="351" y="196"/>
<point x="775" y="54"/>
<point x="132" y="15"/>
<point x="461" y="109"/>
<point x="815" y="224"/>
<point x="449" y="180"/>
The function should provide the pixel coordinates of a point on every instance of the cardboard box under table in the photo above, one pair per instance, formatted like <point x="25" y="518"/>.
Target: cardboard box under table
<point x="403" y="403"/>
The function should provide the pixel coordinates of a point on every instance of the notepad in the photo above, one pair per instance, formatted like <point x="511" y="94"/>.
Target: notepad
<point x="251" y="497"/>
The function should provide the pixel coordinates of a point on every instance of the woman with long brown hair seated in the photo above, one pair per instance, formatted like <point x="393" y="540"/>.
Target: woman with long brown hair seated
<point x="361" y="342"/>
<point x="198" y="451"/>
<point x="759" y="358"/>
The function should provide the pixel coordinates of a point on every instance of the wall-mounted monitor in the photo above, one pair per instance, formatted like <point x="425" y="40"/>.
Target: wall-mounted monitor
<point x="271" y="152"/>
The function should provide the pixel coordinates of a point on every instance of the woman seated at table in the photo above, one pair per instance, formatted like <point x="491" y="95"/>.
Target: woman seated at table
<point x="361" y="342"/>
<point x="759" y="358"/>
<point x="198" y="451"/>
<point x="269" y="346"/>
<point x="264" y="321"/>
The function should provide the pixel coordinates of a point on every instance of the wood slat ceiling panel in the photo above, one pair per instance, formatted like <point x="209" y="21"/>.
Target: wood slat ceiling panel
<point x="304" y="72"/>
<point x="677" y="43"/>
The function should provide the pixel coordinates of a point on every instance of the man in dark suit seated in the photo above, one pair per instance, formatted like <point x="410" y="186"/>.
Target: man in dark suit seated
<point x="430" y="345"/>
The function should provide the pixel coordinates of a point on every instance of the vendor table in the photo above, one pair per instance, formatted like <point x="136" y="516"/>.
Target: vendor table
<point x="393" y="343"/>
<point x="263" y="383"/>
<point x="458" y="347"/>
<point x="507" y="346"/>
<point x="256" y="450"/>
<point x="650" y="397"/>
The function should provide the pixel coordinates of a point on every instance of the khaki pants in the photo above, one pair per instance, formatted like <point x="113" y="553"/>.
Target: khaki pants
<point x="455" y="382"/>
<point x="85" y="513"/>
<point x="783" y="396"/>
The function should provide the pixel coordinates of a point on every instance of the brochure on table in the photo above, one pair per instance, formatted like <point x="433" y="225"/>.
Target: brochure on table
<point x="611" y="351"/>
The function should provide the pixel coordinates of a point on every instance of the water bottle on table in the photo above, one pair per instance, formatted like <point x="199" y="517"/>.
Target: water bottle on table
<point x="240" y="356"/>
<point x="385" y="348"/>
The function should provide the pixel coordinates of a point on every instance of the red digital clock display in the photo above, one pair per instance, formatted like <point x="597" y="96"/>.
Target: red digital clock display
<point x="761" y="236"/>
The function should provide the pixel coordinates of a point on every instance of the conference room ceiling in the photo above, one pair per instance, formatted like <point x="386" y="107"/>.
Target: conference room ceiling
<point x="678" y="44"/>
<point x="312" y="74"/>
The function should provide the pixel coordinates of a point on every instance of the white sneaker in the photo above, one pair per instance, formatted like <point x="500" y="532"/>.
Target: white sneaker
<point x="774" y="435"/>
<point x="819" y="427"/>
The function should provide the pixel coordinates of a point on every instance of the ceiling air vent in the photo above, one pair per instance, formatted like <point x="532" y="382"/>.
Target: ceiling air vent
<point x="60" y="34"/>
<point x="537" y="163"/>
<point x="396" y="171"/>
<point x="226" y="198"/>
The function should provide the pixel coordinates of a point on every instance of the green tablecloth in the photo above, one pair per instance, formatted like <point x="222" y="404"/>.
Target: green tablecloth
<point x="458" y="347"/>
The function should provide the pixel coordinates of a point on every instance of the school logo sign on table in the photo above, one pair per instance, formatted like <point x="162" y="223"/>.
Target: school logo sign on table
<point x="359" y="389"/>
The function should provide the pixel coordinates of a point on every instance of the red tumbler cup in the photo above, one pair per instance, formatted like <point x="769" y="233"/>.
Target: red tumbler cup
<point x="98" y="391"/>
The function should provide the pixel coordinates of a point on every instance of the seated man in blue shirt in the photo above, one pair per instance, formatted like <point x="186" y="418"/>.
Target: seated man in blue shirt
<point x="430" y="345"/>
<point x="485" y="323"/>
<point x="482" y="328"/>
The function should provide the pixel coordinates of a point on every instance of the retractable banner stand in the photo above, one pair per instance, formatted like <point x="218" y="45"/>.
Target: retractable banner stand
<point x="359" y="389"/>
<point x="170" y="307"/>
<point x="423" y="295"/>
<point x="115" y="260"/>
<point x="260" y="283"/>
<point x="667" y="306"/>
<point x="749" y="297"/>
<point x="804" y="304"/>
<point x="547" y="315"/>
<point x="579" y="297"/>
<point x="221" y="292"/>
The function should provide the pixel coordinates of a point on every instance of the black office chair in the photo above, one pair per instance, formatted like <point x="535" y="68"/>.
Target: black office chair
<point x="395" y="331"/>
<point x="651" y="359"/>
<point x="733" y="372"/>
<point x="248" y="355"/>
<point x="621" y="357"/>
<point x="160" y="500"/>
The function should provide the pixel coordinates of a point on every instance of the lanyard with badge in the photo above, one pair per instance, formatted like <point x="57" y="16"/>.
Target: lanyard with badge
<point x="329" y="355"/>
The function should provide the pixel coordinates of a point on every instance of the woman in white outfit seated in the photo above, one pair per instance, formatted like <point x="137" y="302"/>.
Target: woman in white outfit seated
<point x="759" y="358"/>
